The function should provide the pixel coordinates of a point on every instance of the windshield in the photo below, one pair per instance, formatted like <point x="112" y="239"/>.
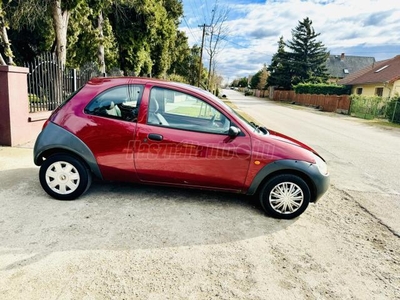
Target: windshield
<point x="252" y="126"/>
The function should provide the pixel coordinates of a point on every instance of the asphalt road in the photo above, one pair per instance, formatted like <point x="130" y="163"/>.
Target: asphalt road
<point x="363" y="158"/>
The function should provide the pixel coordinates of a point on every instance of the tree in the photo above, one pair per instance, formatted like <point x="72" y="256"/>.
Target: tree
<point x="145" y="33"/>
<point x="139" y="36"/>
<point x="259" y="80"/>
<point x="4" y="41"/>
<point x="27" y="13"/>
<point x="90" y="36"/>
<point x="239" y="82"/>
<point x="181" y="57"/>
<point x="2" y="61"/>
<point x="217" y="32"/>
<point x="192" y="66"/>
<point x="243" y="82"/>
<point x="280" y="72"/>
<point x="308" y="56"/>
<point x="163" y="41"/>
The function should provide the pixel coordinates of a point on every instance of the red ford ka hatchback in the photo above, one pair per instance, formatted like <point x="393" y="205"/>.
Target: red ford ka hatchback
<point x="165" y="133"/>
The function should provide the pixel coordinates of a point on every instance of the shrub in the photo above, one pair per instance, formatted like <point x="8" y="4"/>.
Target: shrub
<point x="368" y="107"/>
<point x="393" y="109"/>
<point x="322" y="89"/>
<point x="33" y="98"/>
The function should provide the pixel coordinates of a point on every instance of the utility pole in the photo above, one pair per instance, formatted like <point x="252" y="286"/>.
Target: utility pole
<point x="201" y="52"/>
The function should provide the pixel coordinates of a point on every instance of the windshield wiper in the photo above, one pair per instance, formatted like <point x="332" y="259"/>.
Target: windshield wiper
<point x="263" y="129"/>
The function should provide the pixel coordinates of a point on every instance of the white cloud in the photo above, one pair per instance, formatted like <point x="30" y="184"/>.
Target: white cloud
<point x="349" y="26"/>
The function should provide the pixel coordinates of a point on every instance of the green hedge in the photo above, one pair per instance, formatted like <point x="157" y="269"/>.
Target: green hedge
<point x="393" y="110"/>
<point x="367" y="107"/>
<point x="322" y="89"/>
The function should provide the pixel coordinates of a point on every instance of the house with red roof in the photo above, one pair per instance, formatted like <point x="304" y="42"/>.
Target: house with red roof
<point x="379" y="79"/>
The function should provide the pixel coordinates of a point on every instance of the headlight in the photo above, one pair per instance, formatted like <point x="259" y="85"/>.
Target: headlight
<point x="321" y="165"/>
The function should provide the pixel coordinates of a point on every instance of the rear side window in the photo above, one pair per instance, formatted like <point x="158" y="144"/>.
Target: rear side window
<point x="121" y="102"/>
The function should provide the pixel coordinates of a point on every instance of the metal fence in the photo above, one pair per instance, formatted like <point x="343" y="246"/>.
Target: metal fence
<point x="368" y="107"/>
<point x="393" y="112"/>
<point x="49" y="84"/>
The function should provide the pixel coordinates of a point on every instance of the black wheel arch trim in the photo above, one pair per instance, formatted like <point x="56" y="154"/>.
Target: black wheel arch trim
<point x="309" y="172"/>
<point x="58" y="138"/>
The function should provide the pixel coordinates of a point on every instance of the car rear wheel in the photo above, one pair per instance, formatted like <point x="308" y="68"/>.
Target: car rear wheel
<point x="285" y="196"/>
<point x="64" y="177"/>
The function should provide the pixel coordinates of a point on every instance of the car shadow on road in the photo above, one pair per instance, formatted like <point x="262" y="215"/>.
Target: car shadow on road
<point x="120" y="216"/>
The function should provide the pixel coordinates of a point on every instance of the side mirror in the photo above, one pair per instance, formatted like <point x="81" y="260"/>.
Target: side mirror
<point x="233" y="131"/>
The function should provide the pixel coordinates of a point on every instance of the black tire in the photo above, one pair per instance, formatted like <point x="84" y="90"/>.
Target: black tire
<point x="285" y="196"/>
<point x="64" y="177"/>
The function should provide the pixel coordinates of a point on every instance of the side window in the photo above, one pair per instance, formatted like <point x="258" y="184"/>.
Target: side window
<point x="183" y="111"/>
<point x="121" y="102"/>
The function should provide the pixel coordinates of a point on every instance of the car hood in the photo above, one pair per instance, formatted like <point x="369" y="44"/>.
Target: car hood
<point x="277" y="146"/>
<point x="287" y="139"/>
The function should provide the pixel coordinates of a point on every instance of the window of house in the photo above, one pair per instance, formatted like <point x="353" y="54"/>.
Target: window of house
<point x="359" y="91"/>
<point x="380" y="69"/>
<point x="121" y="102"/>
<point x="178" y="110"/>
<point x="379" y="91"/>
<point x="346" y="71"/>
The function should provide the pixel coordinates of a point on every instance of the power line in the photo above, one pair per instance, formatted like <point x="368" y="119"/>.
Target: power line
<point x="244" y="47"/>
<point x="195" y="9"/>
<point x="190" y="30"/>
<point x="208" y="10"/>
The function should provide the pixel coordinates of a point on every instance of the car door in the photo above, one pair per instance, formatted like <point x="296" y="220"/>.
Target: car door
<point x="185" y="142"/>
<point x="110" y="129"/>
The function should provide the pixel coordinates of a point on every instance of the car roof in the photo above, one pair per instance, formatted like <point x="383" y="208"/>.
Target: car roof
<point x="112" y="81"/>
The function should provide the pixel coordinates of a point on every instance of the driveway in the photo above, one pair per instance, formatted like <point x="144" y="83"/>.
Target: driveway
<point x="121" y="241"/>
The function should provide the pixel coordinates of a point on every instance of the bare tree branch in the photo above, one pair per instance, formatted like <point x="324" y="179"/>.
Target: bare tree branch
<point x="217" y="33"/>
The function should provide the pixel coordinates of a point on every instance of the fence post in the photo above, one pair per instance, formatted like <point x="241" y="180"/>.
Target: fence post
<point x="394" y="110"/>
<point x="14" y="109"/>
<point x="74" y="80"/>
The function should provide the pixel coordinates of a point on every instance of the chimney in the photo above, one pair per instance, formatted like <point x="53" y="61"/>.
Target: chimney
<point x="342" y="56"/>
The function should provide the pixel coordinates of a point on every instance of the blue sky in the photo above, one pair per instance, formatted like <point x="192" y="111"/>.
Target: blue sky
<point x="354" y="27"/>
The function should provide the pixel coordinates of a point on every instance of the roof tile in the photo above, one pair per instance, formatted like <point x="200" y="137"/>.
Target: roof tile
<point x="377" y="73"/>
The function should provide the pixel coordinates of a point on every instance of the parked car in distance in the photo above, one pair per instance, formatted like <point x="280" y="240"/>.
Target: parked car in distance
<point x="156" y="132"/>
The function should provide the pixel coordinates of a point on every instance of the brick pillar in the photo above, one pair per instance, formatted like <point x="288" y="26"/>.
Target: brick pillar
<point x="14" y="106"/>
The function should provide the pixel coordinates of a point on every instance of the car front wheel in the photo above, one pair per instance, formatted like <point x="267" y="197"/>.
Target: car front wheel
<point x="64" y="177"/>
<point x="285" y="196"/>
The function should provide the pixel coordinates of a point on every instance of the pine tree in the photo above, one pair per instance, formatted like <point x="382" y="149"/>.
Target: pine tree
<point x="280" y="73"/>
<point x="307" y="56"/>
<point x="259" y="80"/>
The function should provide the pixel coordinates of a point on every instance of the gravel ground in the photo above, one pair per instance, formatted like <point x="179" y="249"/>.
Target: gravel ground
<point x="122" y="241"/>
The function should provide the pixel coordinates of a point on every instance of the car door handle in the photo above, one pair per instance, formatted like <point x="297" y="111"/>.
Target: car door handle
<point x="155" y="137"/>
